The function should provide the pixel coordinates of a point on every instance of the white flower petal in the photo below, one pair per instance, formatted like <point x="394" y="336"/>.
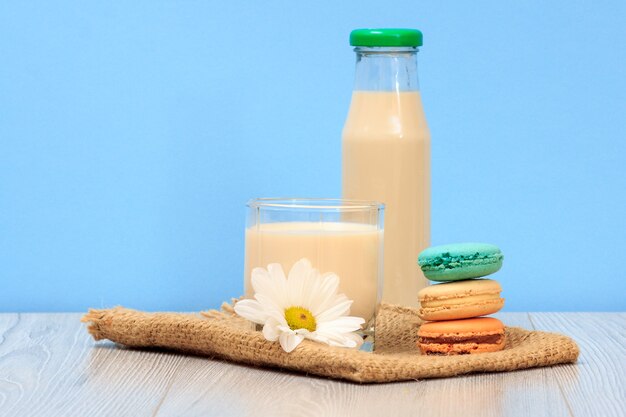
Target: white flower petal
<point x="302" y="268"/>
<point x="297" y="283"/>
<point x="271" y="308"/>
<point x="284" y="328"/>
<point x="318" y="337"/>
<point x="251" y="310"/>
<point x="357" y="339"/>
<point x="276" y="272"/>
<point x="334" y="312"/>
<point x="270" y="330"/>
<point x="327" y="293"/>
<point x="339" y="298"/>
<point x="344" y="324"/>
<point x="260" y="280"/>
<point x="321" y="337"/>
<point x="262" y="283"/>
<point x="312" y="292"/>
<point x="349" y="340"/>
<point x="347" y="343"/>
<point x="311" y="289"/>
<point x="310" y="286"/>
<point x="303" y="332"/>
<point x="290" y="340"/>
<point x="278" y="317"/>
<point x="330" y="283"/>
<point x="279" y="281"/>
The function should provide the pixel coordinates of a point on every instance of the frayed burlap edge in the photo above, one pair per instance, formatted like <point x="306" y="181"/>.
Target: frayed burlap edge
<point x="224" y="335"/>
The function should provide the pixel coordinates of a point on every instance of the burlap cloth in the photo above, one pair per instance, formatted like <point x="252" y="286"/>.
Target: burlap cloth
<point x="222" y="334"/>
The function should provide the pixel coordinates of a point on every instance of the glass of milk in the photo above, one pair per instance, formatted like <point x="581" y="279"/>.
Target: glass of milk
<point x="337" y="235"/>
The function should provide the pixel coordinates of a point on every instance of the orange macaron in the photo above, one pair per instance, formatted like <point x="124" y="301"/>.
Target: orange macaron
<point x="461" y="337"/>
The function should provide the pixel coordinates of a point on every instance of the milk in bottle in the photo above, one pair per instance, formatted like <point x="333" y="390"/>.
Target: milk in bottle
<point x="386" y="152"/>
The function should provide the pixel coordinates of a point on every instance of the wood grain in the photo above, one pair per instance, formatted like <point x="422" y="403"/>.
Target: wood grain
<point x="595" y="386"/>
<point x="49" y="366"/>
<point x="529" y="392"/>
<point x="259" y="392"/>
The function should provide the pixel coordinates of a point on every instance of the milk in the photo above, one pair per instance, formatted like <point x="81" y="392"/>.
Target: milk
<point x="386" y="157"/>
<point x="350" y="250"/>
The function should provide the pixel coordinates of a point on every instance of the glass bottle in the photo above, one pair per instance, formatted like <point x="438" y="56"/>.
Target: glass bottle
<point x="386" y="152"/>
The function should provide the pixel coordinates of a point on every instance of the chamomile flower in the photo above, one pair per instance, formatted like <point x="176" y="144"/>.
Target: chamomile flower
<point x="304" y="305"/>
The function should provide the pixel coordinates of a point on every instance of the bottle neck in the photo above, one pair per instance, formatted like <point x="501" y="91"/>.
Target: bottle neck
<point x="386" y="69"/>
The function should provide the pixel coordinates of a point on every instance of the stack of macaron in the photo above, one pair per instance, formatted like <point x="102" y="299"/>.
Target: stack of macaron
<point x="454" y="307"/>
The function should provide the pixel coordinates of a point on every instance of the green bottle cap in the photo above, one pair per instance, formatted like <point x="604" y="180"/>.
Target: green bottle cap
<point x="386" y="37"/>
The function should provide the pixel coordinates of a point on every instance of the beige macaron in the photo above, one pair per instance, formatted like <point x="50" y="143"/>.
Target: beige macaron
<point x="460" y="299"/>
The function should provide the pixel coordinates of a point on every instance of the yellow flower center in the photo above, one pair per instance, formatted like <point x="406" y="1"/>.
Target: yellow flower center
<point x="300" y="318"/>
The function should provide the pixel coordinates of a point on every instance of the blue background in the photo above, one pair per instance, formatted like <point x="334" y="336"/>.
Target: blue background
<point x="133" y="133"/>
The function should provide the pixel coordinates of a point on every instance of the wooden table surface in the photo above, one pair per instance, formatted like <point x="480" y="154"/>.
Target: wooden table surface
<point x="50" y="366"/>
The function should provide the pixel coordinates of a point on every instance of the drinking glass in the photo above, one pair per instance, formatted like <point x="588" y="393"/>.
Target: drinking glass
<point x="341" y="236"/>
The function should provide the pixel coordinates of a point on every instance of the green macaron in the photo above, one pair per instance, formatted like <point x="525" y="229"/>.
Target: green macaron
<point x="459" y="261"/>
